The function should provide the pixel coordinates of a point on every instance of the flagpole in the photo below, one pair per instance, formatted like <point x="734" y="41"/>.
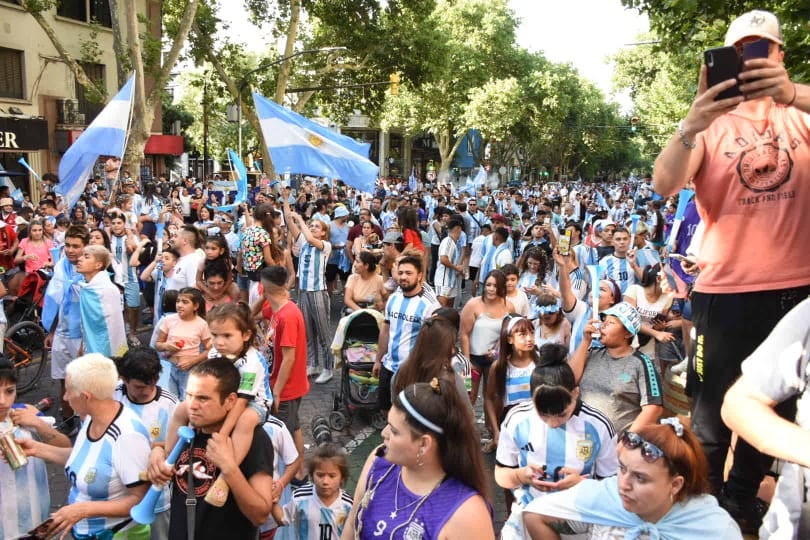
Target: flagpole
<point x="117" y="179"/>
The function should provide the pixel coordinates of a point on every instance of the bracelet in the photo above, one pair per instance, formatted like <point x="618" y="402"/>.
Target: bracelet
<point x="793" y="99"/>
<point x="684" y="140"/>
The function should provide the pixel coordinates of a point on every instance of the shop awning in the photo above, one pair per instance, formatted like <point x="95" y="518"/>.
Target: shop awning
<point x="164" y="145"/>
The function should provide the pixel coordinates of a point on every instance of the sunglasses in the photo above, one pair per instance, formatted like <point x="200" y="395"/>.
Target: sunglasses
<point x="649" y="451"/>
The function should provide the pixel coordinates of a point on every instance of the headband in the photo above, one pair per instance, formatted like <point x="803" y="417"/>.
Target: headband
<point x="675" y="423"/>
<point x="512" y="322"/>
<point x="553" y="308"/>
<point x="417" y="415"/>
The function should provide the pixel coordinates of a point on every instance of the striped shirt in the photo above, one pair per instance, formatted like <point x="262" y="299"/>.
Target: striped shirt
<point x="312" y="266"/>
<point x="619" y="270"/>
<point x="518" y="383"/>
<point x="119" y="251"/>
<point x="447" y="277"/>
<point x="254" y="373"/>
<point x="586" y="443"/>
<point x="24" y="495"/>
<point x="103" y="469"/>
<point x="284" y="454"/>
<point x="405" y="315"/>
<point x="155" y="416"/>
<point x="311" y="519"/>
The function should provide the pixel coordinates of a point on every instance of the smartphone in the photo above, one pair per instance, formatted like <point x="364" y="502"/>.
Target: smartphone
<point x="755" y="49"/>
<point x="723" y="63"/>
<point x="564" y="243"/>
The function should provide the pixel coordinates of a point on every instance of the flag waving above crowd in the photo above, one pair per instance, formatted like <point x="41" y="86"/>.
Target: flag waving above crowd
<point x="299" y="145"/>
<point x="105" y="136"/>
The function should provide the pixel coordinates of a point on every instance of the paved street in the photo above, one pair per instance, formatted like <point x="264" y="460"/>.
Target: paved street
<point x="359" y="438"/>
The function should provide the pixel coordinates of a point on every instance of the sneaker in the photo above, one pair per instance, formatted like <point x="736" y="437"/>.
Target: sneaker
<point x="748" y="514"/>
<point x="133" y="340"/>
<point x="69" y="426"/>
<point x="313" y="370"/>
<point x="324" y="377"/>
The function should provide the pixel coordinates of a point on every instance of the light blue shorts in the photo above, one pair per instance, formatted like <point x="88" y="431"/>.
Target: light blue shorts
<point x="132" y="295"/>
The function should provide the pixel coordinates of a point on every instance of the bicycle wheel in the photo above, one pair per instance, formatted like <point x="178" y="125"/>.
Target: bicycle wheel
<point x="25" y="346"/>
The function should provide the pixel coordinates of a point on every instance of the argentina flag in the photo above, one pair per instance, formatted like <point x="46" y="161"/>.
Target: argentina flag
<point x="105" y="136"/>
<point x="241" y="183"/>
<point x="299" y="145"/>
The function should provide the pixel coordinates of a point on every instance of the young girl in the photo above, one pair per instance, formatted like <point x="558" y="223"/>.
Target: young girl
<point x="551" y="325"/>
<point x="509" y="376"/>
<point x="551" y="441"/>
<point x="218" y="253"/>
<point x="233" y="331"/>
<point x="185" y="338"/>
<point x="319" y="510"/>
<point x="513" y="293"/>
<point x="35" y="250"/>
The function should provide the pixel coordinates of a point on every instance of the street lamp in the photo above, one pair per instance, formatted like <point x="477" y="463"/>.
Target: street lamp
<point x="244" y="81"/>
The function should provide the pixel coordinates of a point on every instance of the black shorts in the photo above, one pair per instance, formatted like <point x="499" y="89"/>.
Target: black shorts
<point x="332" y="271"/>
<point x="481" y="362"/>
<point x="473" y="273"/>
<point x="288" y="413"/>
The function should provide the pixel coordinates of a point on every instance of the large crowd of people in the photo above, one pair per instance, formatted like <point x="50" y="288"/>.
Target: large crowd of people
<point x="569" y="306"/>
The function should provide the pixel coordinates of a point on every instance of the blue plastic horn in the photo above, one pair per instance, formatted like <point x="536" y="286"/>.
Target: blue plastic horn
<point x="144" y="511"/>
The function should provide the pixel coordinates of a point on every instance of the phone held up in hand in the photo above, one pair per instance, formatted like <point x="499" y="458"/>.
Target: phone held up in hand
<point x="564" y="243"/>
<point x="725" y="63"/>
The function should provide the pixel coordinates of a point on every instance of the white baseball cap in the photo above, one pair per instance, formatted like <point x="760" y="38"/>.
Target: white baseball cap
<point x="754" y="23"/>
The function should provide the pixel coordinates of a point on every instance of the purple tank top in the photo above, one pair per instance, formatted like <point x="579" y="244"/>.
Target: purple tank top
<point x="376" y="521"/>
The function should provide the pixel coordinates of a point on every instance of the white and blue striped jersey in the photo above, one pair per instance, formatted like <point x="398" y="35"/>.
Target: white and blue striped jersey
<point x="579" y="317"/>
<point x="586" y="443"/>
<point x="518" y="383"/>
<point x="447" y="277"/>
<point x="619" y="270"/>
<point x="118" y="245"/>
<point x="254" y="371"/>
<point x="25" y="498"/>
<point x="101" y="470"/>
<point x="312" y="266"/>
<point x="155" y="416"/>
<point x="284" y="454"/>
<point x="405" y="315"/>
<point x="310" y="519"/>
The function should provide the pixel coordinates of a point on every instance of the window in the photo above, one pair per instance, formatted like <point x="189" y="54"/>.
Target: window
<point x="86" y="11"/>
<point x="11" y="74"/>
<point x="73" y="9"/>
<point x="88" y="108"/>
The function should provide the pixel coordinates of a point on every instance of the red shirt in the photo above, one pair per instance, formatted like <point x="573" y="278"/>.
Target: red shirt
<point x="7" y="239"/>
<point x="413" y="238"/>
<point x="287" y="330"/>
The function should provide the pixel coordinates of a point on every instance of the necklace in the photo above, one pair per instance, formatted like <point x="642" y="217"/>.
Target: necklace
<point x="397" y="507"/>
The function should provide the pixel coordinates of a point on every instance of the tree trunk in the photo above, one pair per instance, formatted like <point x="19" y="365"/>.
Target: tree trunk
<point x="448" y="145"/>
<point x="292" y="34"/>
<point x="118" y="45"/>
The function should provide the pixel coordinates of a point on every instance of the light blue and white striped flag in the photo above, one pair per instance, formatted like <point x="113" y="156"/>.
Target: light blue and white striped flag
<point x="412" y="180"/>
<point x="105" y="136"/>
<point x="481" y="177"/>
<point x="241" y="183"/>
<point x="299" y="145"/>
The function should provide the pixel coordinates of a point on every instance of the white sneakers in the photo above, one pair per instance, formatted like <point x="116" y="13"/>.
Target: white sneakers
<point x="325" y="376"/>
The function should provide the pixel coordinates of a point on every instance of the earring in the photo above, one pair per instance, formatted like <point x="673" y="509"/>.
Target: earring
<point x="419" y="454"/>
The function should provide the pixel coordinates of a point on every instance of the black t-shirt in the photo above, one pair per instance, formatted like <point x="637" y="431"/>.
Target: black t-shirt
<point x="215" y="523"/>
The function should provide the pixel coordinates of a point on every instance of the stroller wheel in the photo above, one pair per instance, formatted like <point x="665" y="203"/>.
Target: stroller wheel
<point x="337" y="421"/>
<point x="378" y="420"/>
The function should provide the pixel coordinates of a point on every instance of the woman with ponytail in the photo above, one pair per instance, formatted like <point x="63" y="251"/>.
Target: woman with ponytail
<point x="427" y="480"/>
<point x="552" y="441"/>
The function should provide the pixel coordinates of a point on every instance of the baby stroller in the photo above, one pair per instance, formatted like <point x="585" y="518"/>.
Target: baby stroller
<point x="28" y="303"/>
<point x="356" y="349"/>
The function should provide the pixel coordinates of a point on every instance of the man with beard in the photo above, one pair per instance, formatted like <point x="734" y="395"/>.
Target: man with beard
<point x="407" y="308"/>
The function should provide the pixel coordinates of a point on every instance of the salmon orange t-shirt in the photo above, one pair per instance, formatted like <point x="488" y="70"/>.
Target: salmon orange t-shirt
<point x="753" y="195"/>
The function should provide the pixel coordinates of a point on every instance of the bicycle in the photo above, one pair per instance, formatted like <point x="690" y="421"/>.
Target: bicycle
<point x="24" y="345"/>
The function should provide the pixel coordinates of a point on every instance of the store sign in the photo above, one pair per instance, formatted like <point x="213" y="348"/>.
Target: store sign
<point x="23" y="134"/>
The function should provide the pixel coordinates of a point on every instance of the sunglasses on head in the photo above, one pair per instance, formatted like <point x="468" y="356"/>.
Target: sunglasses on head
<point x="649" y="451"/>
